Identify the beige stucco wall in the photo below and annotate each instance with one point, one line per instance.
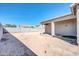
(48, 28)
(66, 27)
(1, 31)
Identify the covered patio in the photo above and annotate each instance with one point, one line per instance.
(61, 26)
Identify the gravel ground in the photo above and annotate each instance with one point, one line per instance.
(11, 46)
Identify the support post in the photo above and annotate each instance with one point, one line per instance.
(77, 24)
(52, 28)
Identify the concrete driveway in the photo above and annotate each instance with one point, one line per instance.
(46, 45)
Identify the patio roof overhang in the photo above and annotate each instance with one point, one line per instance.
(65, 17)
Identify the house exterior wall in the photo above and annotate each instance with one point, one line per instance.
(1, 31)
(66, 27)
(48, 28)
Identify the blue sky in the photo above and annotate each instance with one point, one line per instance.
(31, 13)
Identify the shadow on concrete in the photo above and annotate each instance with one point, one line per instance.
(70, 39)
(13, 46)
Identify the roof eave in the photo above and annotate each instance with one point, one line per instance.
(51, 20)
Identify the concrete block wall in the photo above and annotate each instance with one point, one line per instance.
(1, 31)
(20, 29)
